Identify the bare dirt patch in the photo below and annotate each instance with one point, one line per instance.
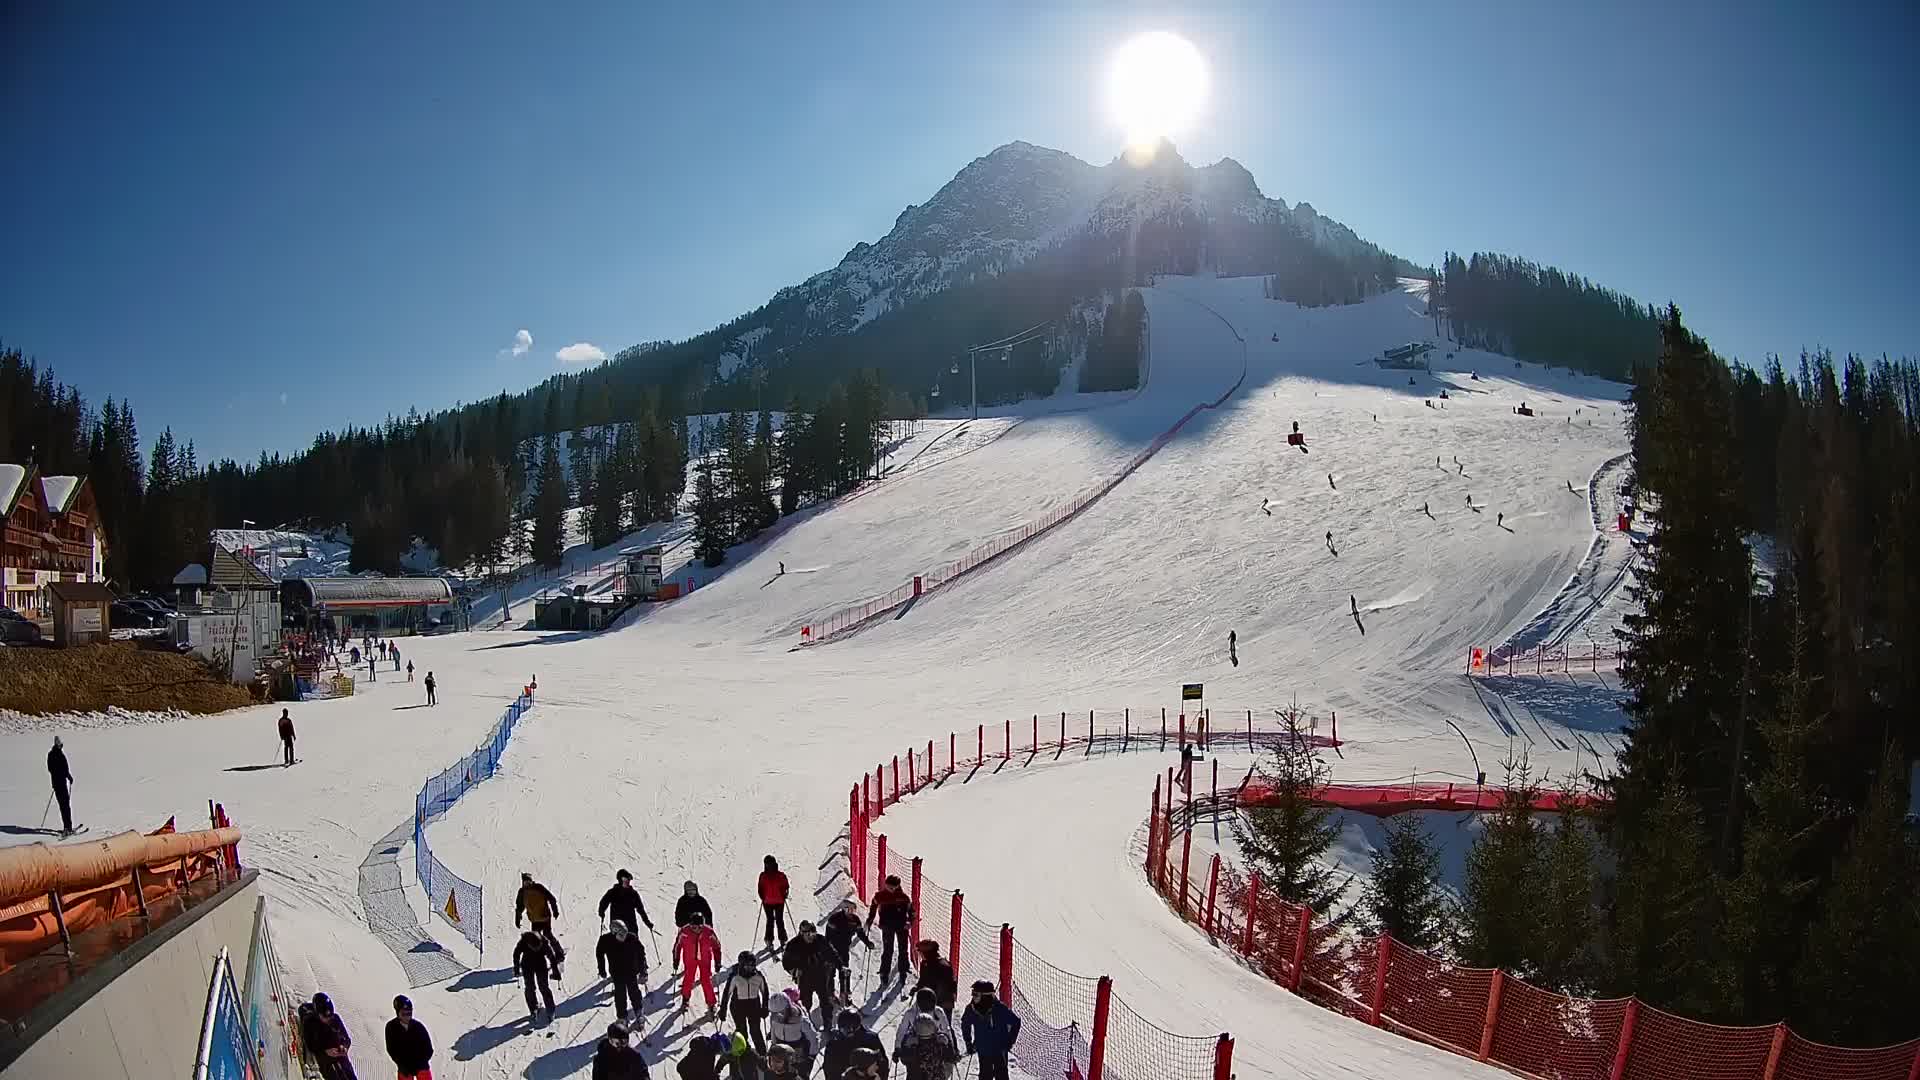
(122, 674)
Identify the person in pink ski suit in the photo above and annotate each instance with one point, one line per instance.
(697, 951)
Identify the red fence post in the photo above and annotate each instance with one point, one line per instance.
(1006, 744)
(950, 758)
(1914, 1073)
(1626, 1040)
(1380, 964)
(1213, 890)
(1253, 911)
(953, 946)
(1163, 727)
(1773, 1052)
(1223, 1058)
(1186, 857)
(1336, 728)
(980, 752)
(879, 790)
(1036, 730)
(855, 849)
(916, 902)
(1006, 962)
(1493, 1013)
(912, 783)
(883, 857)
(1249, 731)
(1300, 948)
(1097, 1047)
(929, 760)
(1183, 731)
(1153, 832)
(1216, 778)
(896, 778)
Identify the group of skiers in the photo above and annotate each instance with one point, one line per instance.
(775, 1033)
(325, 1042)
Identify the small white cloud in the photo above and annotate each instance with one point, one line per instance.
(283, 397)
(581, 352)
(522, 341)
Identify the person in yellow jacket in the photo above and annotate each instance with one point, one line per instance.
(536, 903)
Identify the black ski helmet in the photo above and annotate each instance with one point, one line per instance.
(848, 1020)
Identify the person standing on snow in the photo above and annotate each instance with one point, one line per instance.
(851, 1045)
(938, 976)
(923, 1002)
(409, 671)
(691, 901)
(696, 951)
(811, 961)
(623, 901)
(744, 998)
(701, 1061)
(62, 778)
(990, 1029)
(623, 961)
(286, 738)
(928, 1049)
(408, 1043)
(789, 1025)
(328, 1041)
(615, 1059)
(842, 927)
(773, 900)
(893, 909)
(372, 674)
(533, 962)
(430, 700)
(538, 905)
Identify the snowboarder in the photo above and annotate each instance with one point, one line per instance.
(408, 1042)
(893, 909)
(1500, 519)
(744, 997)
(928, 1051)
(783, 567)
(852, 1038)
(696, 951)
(409, 671)
(1330, 482)
(539, 906)
(286, 738)
(1424, 509)
(623, 961)
(773, 889)
(789, 1025)
(991, 1029)
(1355, 604)
(624, 902)
(937, 975)
(534, 962)
(1266, 505)
(1330, 547)
(62, 778)
(430, 700)
(842, 927)
(328, 1040)
(811, 960)
(1233, 647)
(615, 1059)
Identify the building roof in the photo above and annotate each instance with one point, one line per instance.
(191, 574)
(377, 591)
(12, 479)
(229, 571)
(81, 592)
(58, 492)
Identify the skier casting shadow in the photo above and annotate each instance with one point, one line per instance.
(1233, 647)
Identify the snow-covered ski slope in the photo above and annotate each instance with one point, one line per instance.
(695, 739)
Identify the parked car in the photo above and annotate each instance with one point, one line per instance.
(129, 615)
(16, 628)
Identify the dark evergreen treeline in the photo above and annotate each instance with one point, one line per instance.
(1114, 355)
(1544, 315)
(1312, 276)
(1756, 862)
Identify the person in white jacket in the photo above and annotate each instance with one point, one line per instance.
(789, 1023)
(746, 992)
(923, 1002)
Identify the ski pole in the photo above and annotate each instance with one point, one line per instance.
(48, 810)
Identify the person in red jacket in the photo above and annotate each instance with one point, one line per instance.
(697, 950)
(773, 900)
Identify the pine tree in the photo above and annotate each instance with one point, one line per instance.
(1286, 835)
(550, 508)
(709, 517)
(1861, 974)
(1663, 911)
(1566, 952)
(1403, 897)
(1500, 901)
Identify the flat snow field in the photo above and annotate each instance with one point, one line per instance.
(694, 738)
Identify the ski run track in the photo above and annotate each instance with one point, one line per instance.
(694, 739)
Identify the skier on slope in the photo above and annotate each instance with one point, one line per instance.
(1233, 647)
(616, 1059)
(852, 1045)
(991, 1029)
(623, 961)
(773, 888)
(789, 1025)
(536, 902)
(533, 962)
(893, 909)
(1266, 505)
(929, 1051)
(62, 777)
(690, 902)
(811, 960)
(624, 903)
(328, 1041)
(696, 951)
(923, 1002)
(937, 975)
(286, 737)
(842, 927)
(744, 997)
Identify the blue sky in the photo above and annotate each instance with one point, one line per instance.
(259, 221)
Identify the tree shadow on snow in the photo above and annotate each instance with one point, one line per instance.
(479, 980)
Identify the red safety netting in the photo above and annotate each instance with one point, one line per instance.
(1669, 1047)
(1556, 1036)
(1139, 1049)
(1803, 1059)
(1441, 1001)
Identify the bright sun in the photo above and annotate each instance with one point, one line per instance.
(1156, 87)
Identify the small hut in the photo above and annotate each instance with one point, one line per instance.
(81, 612)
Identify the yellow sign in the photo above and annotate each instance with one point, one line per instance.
(452, 909)
(1190, 692)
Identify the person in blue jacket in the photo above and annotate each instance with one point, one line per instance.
(990, 1029)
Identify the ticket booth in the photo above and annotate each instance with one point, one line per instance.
(640, 578)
